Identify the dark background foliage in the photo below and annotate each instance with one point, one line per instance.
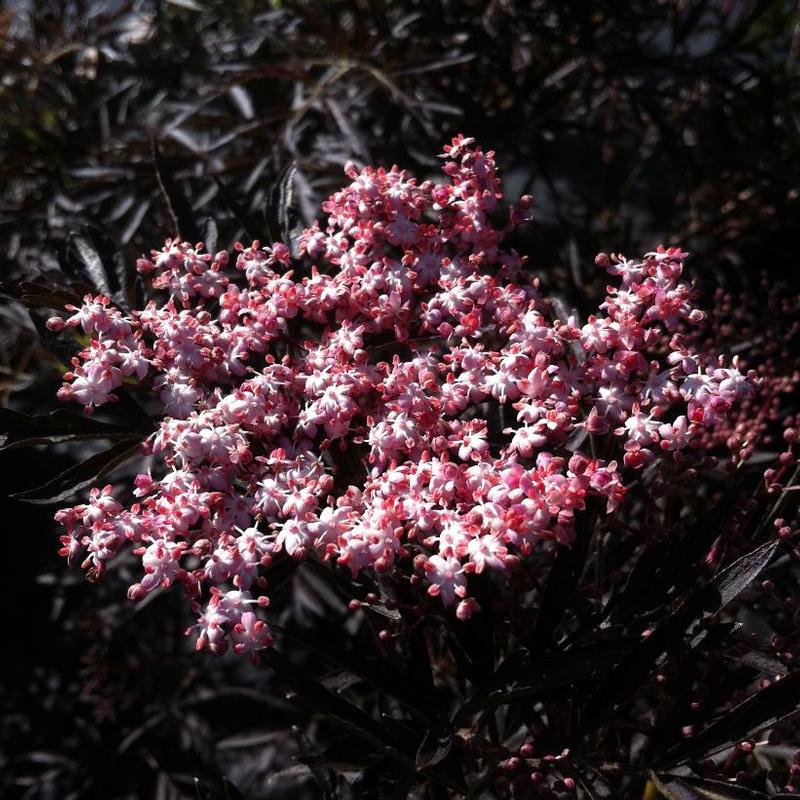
(631, 123)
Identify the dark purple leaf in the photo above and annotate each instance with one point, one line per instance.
(433, 749)
(23, 430)
(92, 258)
(673, 788)
(709, 789)
(279, 213)
(562, 583)
(625, 679)
(81, 476)
(594, 785)
(779, 702)
(178, 206)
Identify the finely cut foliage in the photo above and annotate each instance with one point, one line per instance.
(480, 525)
(393, 393)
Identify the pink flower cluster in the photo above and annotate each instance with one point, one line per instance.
(405, 399)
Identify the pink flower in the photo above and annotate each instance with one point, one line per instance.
(676, 435)
(250, 635)
(447, 580)
(413, 404)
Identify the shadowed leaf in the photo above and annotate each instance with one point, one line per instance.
(82, 475)
(562, 583)
(178, 206)
(279, 209)
(767, 708)
(433, 749)
(625, 679)
(94, 259)
(23, 430)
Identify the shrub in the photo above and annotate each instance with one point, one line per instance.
(543, 528)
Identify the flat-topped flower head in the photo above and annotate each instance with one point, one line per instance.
(401, 398)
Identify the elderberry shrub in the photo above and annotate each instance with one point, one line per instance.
(395, 394)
